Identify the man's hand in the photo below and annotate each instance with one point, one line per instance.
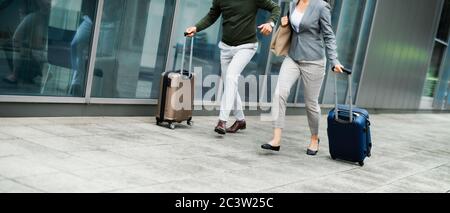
(338, 68)
(191, 31)
(266, 29)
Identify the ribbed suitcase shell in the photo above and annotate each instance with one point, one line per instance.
(349, 141)
(172, 82)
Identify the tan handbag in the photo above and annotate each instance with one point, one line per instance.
(281, 41)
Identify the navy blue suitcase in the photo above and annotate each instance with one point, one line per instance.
(349, 133)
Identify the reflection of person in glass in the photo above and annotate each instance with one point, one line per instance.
(238, 46)
(81, 42)
(79, 50)
(310, 22)
(29, 44)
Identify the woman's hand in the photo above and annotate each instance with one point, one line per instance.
(191, 31)
(338, 68)
(284, 21)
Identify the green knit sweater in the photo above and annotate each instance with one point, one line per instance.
(239, 19)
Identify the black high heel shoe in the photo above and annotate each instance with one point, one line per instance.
(270, 147)
(311, 152)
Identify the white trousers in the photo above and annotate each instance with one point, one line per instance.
(233, 60)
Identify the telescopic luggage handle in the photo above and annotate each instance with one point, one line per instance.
(184, 55)
(348, 72)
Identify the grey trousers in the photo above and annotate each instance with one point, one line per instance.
(311, 74)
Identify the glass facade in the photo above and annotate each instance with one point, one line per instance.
(132, 51)
(438, 76)
(46, 47)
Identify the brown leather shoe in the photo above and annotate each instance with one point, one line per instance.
(221, 128)
(238, 125)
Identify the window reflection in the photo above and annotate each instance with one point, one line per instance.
(43, 49)
(352, 21)
(132, 48)
(207, 52)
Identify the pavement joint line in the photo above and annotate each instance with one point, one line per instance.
(343, 171)
(15, 179)
(390, 183)
(314, 176)
(32, 175)
(143, 186)
(43, 146)
(8, 156)
(130, 165)
(105, 167)
(24, 184)
(92, 180)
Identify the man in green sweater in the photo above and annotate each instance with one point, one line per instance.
(238, 46)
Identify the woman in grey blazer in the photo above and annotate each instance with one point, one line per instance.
(312, 39)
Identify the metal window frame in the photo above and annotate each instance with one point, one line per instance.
(124, 101)
(93, 52)
(172, 50)
(369, 43)
(358, 50)
(41, 99)
(324, 90)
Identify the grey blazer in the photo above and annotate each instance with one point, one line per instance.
(316, 36)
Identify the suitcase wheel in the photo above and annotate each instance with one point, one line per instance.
(361, 163)
(190, 122)
(171, 126)
(158, 122)
(332, 157)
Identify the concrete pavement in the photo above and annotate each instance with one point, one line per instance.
(131, 154)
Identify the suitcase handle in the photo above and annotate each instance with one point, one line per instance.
(350, 96)
(346, 71)
(184, 55)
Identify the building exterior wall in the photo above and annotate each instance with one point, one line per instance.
(388, 44)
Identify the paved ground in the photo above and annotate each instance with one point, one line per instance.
(411, 154)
